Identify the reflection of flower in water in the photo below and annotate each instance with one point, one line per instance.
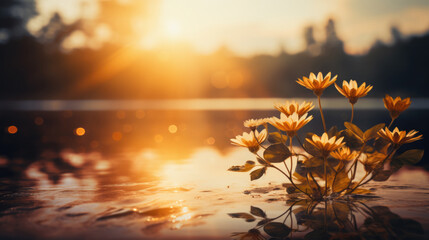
(330, 220)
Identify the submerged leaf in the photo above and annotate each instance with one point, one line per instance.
(246, 216)
(244, 168)
(277, 153)
(276, 229)
(258, 173)
(382, 175)
(276, 137)
(257, 212)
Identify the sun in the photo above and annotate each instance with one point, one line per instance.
(172, 29)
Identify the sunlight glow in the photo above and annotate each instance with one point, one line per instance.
(172, 29)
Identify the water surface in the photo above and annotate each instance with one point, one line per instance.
(133, 176)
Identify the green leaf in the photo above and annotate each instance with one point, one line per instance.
(312, 150)
(245, 216)
(381, 145)
(276, 229)
(258, 173)
(352, 141)
(313, 162)
(244, 168)
(372, 132)
(354, 129)
(411, 156)
(277, 153)
(276, 137)
(257, 212)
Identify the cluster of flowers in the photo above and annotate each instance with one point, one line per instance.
(332, 157)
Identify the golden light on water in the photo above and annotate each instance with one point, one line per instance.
(12, 129)
(80, 131)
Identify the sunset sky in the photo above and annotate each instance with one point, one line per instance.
(256, 26)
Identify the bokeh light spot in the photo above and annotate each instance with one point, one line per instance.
(116, 136)
(120, 114)
(39, 121)
(12, 129)
(210, 140)
(172, 128)
(80, 131)
(140, 114)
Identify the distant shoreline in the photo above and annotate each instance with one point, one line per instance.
(197, 104)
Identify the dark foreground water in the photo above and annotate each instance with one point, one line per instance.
(149, 174)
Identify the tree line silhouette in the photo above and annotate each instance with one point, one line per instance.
(36, 66)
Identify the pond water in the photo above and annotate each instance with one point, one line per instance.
(156, 174)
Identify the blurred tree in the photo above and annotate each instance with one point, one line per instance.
(397, 36)
(332, 42)
(311, 46)
(14, 15)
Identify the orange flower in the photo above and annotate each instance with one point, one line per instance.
(290, 124)
(248, 140)
(344, 154)
(351, 90)
(325, 144)
(399, 137)
(291, 107)
(317, 84)
(396, 106)
(254, 123)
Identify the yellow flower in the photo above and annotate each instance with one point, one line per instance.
(290, 124)
(325, 144)
(351, 90)
(344, 154)
(290, 107)
(396, 106)
(254, 123)
(248, 140)
(399, 137)
(317, 84)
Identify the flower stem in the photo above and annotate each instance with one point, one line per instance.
(288, 177)
(358, 184)
(326, 176)
(254, 135)
(391, 122)
(353, 111)
(321, 113)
